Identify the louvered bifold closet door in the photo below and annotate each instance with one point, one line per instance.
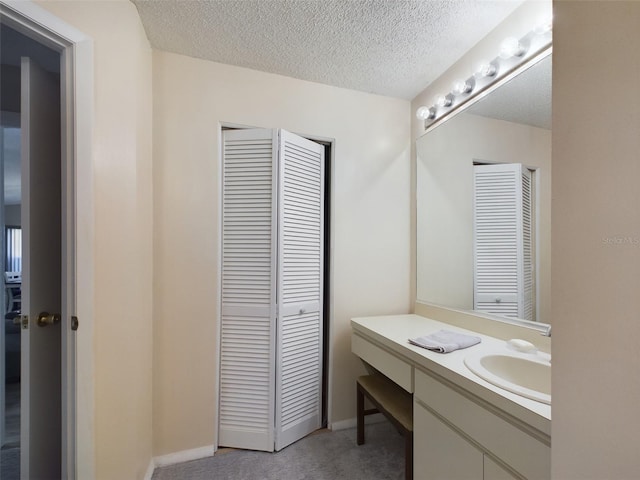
(498, 239)
(528, 247)
(299, 352)
(247, 353)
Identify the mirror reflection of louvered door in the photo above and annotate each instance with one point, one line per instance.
(271, 325)
(503, 240)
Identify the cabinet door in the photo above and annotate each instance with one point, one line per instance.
(439, 453)
(493, 471)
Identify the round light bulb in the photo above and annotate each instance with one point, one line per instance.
(544, 26)
(487, 70)
(424, 113)
(511, 47)
(461, 86)
(443, 101)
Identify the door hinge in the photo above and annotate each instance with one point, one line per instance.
(74, 323)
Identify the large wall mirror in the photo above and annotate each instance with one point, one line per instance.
(484, 203)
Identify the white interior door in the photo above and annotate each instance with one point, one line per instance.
(41, 273)
(300, 277)
(528, 311)
(247, 336)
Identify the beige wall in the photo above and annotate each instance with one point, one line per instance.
(370, 223)
(123, 238)
(596, 240)
(444, 196)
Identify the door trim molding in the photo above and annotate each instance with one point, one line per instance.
(76, 75)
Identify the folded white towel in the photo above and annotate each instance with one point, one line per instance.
(445, 341)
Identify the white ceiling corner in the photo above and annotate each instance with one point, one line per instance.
(387, 47)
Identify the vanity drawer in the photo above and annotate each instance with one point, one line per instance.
(527, 453)
(388, 364)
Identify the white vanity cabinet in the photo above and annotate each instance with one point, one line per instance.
(493, 471)
(442, 453)
(439, 452)
(459, 436)
(464, 428)
(384, 361)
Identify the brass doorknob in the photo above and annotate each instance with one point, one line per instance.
(45, 319)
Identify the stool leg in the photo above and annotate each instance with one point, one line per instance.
(359, 415)
(408, 455)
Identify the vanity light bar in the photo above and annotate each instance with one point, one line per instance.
(514, 54)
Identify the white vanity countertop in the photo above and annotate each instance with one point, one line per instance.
(394, 331)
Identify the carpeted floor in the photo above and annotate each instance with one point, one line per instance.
(10, 454)
(10, 464)
(324, 455)
(12, 415)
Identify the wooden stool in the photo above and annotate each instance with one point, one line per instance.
(393, 402)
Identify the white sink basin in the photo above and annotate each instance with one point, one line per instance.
(525, 375)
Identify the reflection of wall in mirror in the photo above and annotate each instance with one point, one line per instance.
(444, 193)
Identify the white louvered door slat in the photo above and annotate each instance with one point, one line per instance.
(528, 246)
(300, 277)
(498, 239)
(247, 353)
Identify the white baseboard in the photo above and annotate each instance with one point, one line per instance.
(208, 451)
(352, 422)
(184, 456)
(150, 469)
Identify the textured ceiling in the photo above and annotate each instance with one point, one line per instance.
(387, 47)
